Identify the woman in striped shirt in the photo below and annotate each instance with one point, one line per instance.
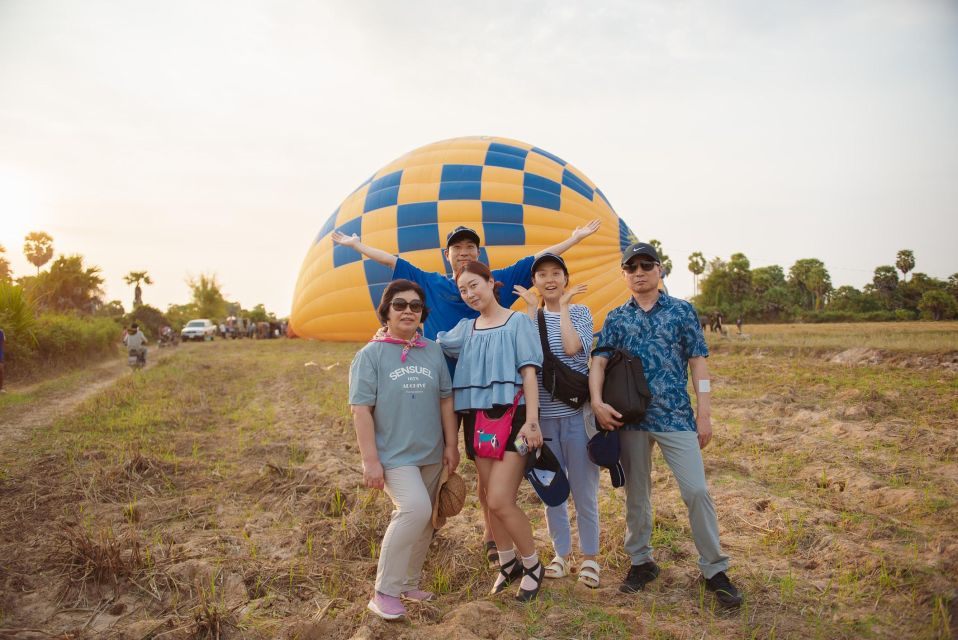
(569, 328)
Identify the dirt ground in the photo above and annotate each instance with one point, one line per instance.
(218, 494)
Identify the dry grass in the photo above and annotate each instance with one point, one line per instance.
(218, 496)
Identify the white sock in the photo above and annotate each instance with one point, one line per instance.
(528, 583)
(505, 557)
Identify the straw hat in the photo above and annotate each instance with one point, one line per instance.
(449, 499)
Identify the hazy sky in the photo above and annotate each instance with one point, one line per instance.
(183, 137)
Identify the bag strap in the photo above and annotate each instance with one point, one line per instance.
(543, 332)
(515, 401)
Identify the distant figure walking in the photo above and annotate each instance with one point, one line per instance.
(738, 324)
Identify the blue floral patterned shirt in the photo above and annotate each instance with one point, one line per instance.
(665, 337)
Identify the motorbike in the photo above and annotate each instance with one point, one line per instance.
(136, 358)
(170, 339)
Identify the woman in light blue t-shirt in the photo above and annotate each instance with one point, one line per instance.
(499, 353)
(401, 398)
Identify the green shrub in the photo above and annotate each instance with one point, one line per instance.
(58, 341)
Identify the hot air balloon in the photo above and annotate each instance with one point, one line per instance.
(519, 197)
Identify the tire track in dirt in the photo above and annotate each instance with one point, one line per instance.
(18, 421)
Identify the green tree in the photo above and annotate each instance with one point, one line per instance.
(207, 296)
(149, 318)
(937, 305)
(67, 285)
(765, 278)
(663, 259)
(137, 277)
(17, 315)
(952, 285)
(810, 283)
(697, 267)
(38, 248)
(6, 276)
(112, 309)
(905, 262)
(739, 277)
(885, 281)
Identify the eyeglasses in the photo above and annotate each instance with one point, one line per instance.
(398, 304)
(647, 265)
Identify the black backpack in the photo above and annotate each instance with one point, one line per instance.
(625, 387)
(562, 381)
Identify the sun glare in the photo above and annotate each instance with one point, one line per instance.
(20, 210)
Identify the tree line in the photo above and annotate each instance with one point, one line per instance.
(59, 314)
(805, 293)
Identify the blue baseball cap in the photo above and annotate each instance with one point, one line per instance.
(604, 450)
(462, 233)
(546, 476)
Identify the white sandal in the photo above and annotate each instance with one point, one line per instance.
(589, 573)
(557, 568)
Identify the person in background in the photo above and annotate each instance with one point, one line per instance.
(135, 342)
(664, 333)
(400, 393)
(569, 336)
(498, 354)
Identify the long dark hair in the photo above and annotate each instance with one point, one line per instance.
(390, 292)
(483, 272)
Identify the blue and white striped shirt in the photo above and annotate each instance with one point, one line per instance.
(582, 323)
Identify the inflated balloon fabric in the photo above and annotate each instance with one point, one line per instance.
(520, 199)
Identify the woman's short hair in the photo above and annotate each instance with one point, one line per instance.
(390, 292)
(481, 270)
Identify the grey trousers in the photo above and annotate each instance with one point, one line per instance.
(407, 538)
(682, 453)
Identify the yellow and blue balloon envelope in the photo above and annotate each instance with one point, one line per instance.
(520, 198)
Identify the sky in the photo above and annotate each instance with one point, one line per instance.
(188, 137)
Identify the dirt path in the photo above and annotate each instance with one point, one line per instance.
(45, 401)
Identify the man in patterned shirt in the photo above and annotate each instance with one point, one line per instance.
(665, 333)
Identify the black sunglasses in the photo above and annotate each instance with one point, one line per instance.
(398, 304)
(647, 265)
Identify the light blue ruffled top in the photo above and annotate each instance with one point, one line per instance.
(487, 373)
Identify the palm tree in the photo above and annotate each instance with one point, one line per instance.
(697, 267)
(905, 262)
(5, 274)
(38, 248)
(137, 277)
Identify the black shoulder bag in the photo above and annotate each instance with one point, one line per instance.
(625, 387)
(564, 383)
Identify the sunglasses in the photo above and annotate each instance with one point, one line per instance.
(398, 304)
(647, 265)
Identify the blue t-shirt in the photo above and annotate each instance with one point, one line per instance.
(446, 307)
(664, 338)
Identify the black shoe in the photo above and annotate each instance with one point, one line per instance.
(492, 554)
(511, 571)
(725, 592)
(537, 573)
(639, 575)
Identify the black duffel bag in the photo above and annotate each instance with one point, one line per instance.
(625, 387)
(566, 385)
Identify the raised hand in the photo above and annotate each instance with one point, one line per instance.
(584, 232)
(571, 292)
(526, 294)
(343, 239)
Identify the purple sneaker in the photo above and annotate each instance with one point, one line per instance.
(386, 607)
(418, 595)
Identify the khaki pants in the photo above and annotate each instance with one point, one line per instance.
(412, 490)
(682, 453)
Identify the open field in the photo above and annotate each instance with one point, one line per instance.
(217, 494)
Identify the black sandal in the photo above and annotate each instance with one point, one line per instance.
(526, 595)
(492, 553)
(511, 571)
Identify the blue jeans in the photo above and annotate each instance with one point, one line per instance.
(568, 443)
